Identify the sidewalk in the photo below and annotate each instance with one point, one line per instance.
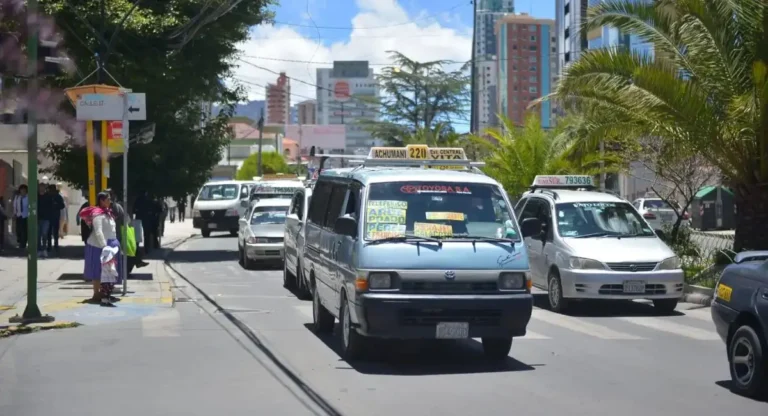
(61, 288)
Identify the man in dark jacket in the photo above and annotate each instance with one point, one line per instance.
(56, 203)
(44, 213)
(119, 212)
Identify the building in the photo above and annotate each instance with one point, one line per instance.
(278, 97)
(569, 15)
(527, 65)
(307, 112)
(347, 94)
(486, 46)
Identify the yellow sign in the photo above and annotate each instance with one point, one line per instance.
(379, 231)
(74, 93)
(115, 136)
(724, 292)
(445, 216)
(388, 204)
(417, 151)
(423, 229)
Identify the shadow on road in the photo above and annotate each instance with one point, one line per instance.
(728, 384)
(419, 358)
(603, 308)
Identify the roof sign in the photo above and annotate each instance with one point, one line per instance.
(272, 189)
(420, 152)
(563, 181)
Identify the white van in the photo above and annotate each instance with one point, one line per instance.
(220, 205)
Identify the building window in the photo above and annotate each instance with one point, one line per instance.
(531, 59)
(533, 38)
(514, 67)
(567, 8)
(532, 78)
(532, 90)
(532, 27)
(532, 47)
(514, 88)
(567, 32)
(533, 68)
(567, 57)
(514, 47)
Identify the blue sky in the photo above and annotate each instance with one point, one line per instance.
(342, 12)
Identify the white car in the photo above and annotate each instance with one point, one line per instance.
(260, 236)
(658, 213)
(293, 275)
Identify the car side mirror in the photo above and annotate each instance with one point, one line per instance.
(346, 225)
(531, 227)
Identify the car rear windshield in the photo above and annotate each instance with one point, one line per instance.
(437, 209)
(269, 215)
(218, 192)
(655, 204)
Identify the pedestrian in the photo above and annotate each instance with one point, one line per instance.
(56, 203)
(3, 224)
(171, 203)
(85, 230)
(161, 207)
(143, 208)
(103, 235)
(21, 215)
(64, 219)
(44, 213)
(182, 206)
(120, 216)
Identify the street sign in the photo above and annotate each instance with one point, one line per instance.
(92, 107)
(115, 137)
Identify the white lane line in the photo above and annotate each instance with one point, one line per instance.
(306, 312)
(668, 326)
(161, 324)
(579, 325)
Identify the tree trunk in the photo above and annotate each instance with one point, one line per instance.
(751, 217)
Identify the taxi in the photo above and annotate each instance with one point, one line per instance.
(416, 243)
(740, 314)
(591, 244)
(275, 186)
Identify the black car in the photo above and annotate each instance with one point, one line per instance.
(740, 314)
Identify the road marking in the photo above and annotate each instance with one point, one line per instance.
(578, 325)
(161, 324)
(671, 327)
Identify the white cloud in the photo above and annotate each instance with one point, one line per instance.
(422, 39)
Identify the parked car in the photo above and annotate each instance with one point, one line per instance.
(293, 275)
(740, 314)
(658, 213)
(260, 236)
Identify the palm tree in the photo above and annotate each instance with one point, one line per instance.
(517, 154)
(705, 87)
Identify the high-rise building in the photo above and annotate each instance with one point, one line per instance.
(569, 15)
(527, 65)
(307, 112)
(346, 94)
(278, 97)
(486, 45)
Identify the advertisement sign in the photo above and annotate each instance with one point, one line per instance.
(341, 91)
(115, 137)
(323, 137)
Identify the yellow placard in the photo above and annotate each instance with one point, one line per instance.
(724, 292)
(447, 153)
(424, 229)
(445, 216)
(417, 151)
(388, 204)
(378, 231)
(386, 216)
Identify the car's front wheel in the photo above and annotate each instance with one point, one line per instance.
(353, 344)
(206, 233)
(497, 348)
(746, 362)
(665, 306)
(557, 303)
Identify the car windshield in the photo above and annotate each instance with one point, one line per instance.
(218, 192)
(655, 204)
(438, 209)
(587, 219)
(269, 215)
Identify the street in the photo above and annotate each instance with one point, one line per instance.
(602, 360)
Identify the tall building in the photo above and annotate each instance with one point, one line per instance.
(486, 45)
(527, 65)
(307, 112)
(278, 97)
(569, 15)
(346, 94)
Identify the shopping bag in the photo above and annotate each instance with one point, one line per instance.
(129, 241)
(109, 272)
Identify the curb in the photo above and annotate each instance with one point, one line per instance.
(699, 295)
(166, 293)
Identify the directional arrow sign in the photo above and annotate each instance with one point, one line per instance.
(110, 107)
(137, 106)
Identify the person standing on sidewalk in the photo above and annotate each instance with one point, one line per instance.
(101, 220)
(171, 202)
(64, 219)
(119, 213)
(182, 205)
(44, 213)
(56, 203)
(21, 214)
(3, 224)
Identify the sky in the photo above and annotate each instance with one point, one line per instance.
(358, 30)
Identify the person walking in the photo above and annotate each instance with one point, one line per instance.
(21, 215)
(85, 230)
(3, 224)
(182, 206)
(56, 205)
(171, 203)
(103, 235)
(64, 219)
(44, 213)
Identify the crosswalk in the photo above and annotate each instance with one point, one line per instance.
(695, 324)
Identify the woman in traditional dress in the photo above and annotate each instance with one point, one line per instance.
(101, 222)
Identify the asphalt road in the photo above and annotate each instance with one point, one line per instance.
(604, 359)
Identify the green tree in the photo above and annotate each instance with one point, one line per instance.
(517, 154)
(174, 50)
(271, 162)
(705, 87)
(418, 95)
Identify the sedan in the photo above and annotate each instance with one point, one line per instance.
(261, 234)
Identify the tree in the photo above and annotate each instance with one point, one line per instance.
(418, 95)
(271, 162)
(705, 87)
(518, 154)
(174, 50)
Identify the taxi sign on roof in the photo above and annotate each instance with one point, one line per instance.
(563, 181)
(420, 152)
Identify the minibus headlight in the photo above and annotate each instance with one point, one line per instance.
(512, 281)
(379, 281)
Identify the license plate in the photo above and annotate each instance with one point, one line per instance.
(452, 330)
(666, 217)
(211, 225)
(634, 287)
(724, 292)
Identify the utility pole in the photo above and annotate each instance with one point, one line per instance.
(32, 312)
(301, 137)
(259, 169)
(602, 164)
(472, 70)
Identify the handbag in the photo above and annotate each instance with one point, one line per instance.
(129, 240)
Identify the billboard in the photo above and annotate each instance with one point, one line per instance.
(341, 91)
(331, 136)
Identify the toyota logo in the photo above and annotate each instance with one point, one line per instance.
(450, 275)
(632, 268)
(210, 213)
